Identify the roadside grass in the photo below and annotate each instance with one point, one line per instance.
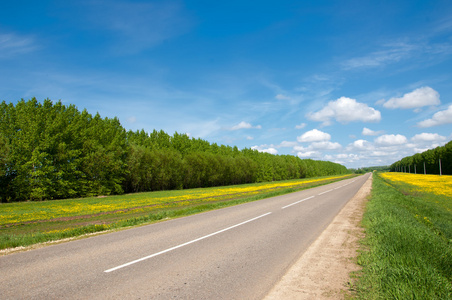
(407, 251)
(28, 223)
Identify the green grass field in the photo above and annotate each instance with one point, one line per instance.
(407, 251)
(27, 223)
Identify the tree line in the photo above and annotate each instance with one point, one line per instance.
(434, 161)
(54, 151)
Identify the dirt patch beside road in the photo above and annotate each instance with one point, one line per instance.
(323, 272)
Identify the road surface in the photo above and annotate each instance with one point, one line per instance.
(237, 252)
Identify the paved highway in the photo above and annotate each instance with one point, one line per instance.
(237, 252)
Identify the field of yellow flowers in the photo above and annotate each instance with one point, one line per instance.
(27, 212)
(408, 226)
(63, 218)
(439, 185)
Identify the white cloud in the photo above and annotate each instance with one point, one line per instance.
(383, 150)
(360, 145)
(309, 154)
(244, 125)
(381, 153)
(428, 137)
(325, 145)
(249, 138)
(300, 149)
(425, 141)
(270, 150)
(439, 118)
(344, 158)
(391, 140)
(319, 141)
(424, 96)
(367, 131)
(345, 110)
(314, 136)
(301, 126)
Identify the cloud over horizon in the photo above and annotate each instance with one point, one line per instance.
(345, 110)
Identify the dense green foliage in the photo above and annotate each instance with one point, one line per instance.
(430, 159)
(54, 151)
(408, 253)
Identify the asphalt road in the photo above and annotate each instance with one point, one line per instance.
(237, 252)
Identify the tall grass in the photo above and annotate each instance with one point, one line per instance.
(407, 251)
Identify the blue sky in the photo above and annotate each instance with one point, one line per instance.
(361, 83)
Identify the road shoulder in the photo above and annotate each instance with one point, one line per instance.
(323, 271)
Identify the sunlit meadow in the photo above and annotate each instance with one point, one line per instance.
(407, 251)
(63, 218)
(436, 184)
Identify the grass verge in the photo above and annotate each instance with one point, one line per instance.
(28, 223)
(407, 251)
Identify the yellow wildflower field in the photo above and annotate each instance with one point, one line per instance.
(24, 212)
(439, 185)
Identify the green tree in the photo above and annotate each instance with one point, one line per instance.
(104, 152)
(140, 174)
